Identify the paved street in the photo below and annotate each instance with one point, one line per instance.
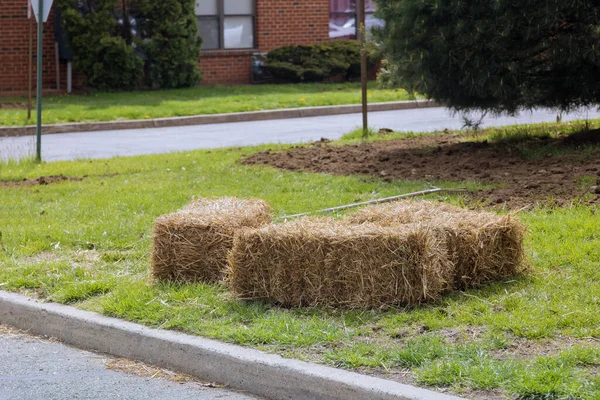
(32, 368)
(163, 140)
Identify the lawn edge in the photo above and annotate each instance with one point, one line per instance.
(215, 118)
(253, 371)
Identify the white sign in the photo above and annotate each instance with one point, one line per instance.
(35, 4)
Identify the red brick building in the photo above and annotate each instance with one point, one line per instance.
(232, 30)
(14, 54)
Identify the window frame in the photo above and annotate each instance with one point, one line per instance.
(350, 14)
(220, 17)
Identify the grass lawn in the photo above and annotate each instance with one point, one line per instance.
(102, 106)
(87, 243)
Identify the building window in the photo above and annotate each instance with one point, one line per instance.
(226, 24)
(343, 17)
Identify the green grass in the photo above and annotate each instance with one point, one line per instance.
(99, 106)
(87, 243)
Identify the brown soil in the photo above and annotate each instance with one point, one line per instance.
(520, 181)
(14, 105)
(42, 180)
(47, 180)
(520, 348)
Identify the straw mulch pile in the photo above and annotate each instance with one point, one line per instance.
(192, 244)
(483, 246)
(323, 262)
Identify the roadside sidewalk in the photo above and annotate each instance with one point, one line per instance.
(255, 372)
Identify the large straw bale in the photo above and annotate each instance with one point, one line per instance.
(192, 244)
(403, 212)
(483, 246)
(323, 262)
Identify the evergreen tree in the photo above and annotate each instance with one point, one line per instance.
(104, 57)
(494, 55)
(169, 38)
(111, 40)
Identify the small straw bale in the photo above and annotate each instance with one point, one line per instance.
(323, 262)
(191, 245)
(483, 246)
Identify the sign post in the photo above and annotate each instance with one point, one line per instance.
(362, 30)
(41, 10)
(30, 62)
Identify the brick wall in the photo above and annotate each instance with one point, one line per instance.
(278, 23)
(14, 45)
(291, 22)
(225, 67)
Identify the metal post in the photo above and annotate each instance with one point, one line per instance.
(30, 55)
(39, 79)
(57, 62)
(363, 64)
(69, 78)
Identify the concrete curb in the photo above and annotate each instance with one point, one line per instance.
(215, 118)
(258, 373)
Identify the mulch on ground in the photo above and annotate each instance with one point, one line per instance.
(553, 178)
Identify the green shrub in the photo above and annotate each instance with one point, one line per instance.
(115, 65)
(110, 57)
(104, 57)
(387, 76)
(169, 37)
(314, 63)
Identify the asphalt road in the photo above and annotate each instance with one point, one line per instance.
(32, 368)
(107, 144)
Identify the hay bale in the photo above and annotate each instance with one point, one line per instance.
(403, 212)
(192, 244)
(324, 262)
(483, 246)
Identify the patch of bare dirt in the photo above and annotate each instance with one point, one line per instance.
(86, 259)
(521, 181)
(42, 180)
(50, 179)
(16, 105)
(521, 348)
(43, 257)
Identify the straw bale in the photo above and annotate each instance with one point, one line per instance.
(192, 244)
(483, 246)
(323, 262)
(403, 212)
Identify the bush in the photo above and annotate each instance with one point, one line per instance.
(104, 57)
(388, 76)
(115, 65)
(169, 38)
(110, 41)
(315, 63)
